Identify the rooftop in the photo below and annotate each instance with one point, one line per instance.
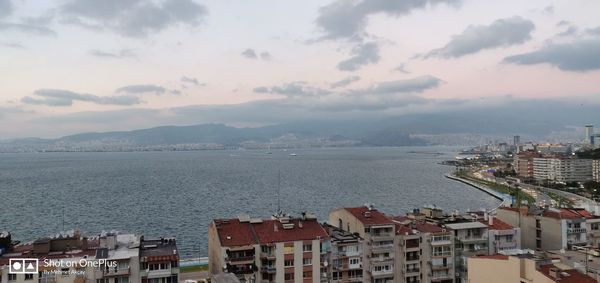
(566, 276)
(163, 247)
(497, 224)
(233, 232)
(338, 235)
(369, 216)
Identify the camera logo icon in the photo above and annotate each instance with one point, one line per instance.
(23, 266)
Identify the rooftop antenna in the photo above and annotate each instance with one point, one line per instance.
(278, 191)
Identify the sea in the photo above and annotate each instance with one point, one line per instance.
(160, 194)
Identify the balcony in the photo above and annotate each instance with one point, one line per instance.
(440, 276)
(355, 279)
(412, 271)
(240, 259)
(412, 258)
(471, 239)
(382, 273)
(576, 230)
(378, 237)
(441, 266)
(268, 269)
(442, 254)
(116, 271)
(441, 243)
(382, 248)
(159, 273)
(503, 244)
(267, 255)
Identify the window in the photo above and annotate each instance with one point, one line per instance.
(122, 279)
(354, 261)
(288, 250)
(595, 226)
(12, 277)
(288, 263)
(307, 261)
(307, 274)
(289, 276)
(28, 276)
(307, 248)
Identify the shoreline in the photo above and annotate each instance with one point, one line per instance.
(505, 200)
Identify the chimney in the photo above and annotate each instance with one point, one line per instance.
(491, 220)
(275, 228)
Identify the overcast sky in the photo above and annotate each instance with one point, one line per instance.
(86, 65)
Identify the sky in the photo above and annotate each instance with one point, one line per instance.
(84, 65)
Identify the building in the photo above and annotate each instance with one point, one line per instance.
(159, 261)
(548, 229)
(470, 239)
(596, 170)
(589, 132)
(501, 236)
(346, 255)
(516, 140)
(425, 252)
(281, 249)
(562, 169)
(552, 148)
(378, 232)
(523, 164)
(105, 258)
(522, 268)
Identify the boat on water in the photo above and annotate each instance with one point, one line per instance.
(293, 154)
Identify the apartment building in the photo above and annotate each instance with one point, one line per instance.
(425, 251)
(501, 235)
(159, 261)
(596, 169)
(522, 268)
(470, 239)
(281, 249)
(378, 232)
(72, 257)
(523, 164)
(346, 255)
(562, 169)
(548, 229)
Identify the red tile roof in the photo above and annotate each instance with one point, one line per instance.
(573, 275)
(232, 232)
(497, 224)
(374, 216)
(566, 213)
(428, 228)
(311, 230)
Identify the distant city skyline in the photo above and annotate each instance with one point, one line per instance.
(79, 66)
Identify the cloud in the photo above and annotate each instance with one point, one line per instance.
(27, 28)
(121, 54)
(14, 45)
(189, 80)
(266, 56)
(249, 53)
(142, 88)
(6, 8)
(414, 85)
(401, 69)
(363, 54)
(593, 31)
(293, 89)
(253, 54)
(344, 82)
(580, 55)
(133, 18)
(501, 33)
(348, 18)
(548, 10)
(59, 97)
(571, 30)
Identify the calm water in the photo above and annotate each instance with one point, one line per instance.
(179, 193)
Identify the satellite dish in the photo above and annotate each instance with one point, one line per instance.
(325, 263)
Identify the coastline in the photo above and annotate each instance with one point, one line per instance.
(506, 200)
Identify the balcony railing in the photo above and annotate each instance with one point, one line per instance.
(382, 248)
(576, 230)
(268, 269)
(240, 258)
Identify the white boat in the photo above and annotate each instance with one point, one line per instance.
(293, 154)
